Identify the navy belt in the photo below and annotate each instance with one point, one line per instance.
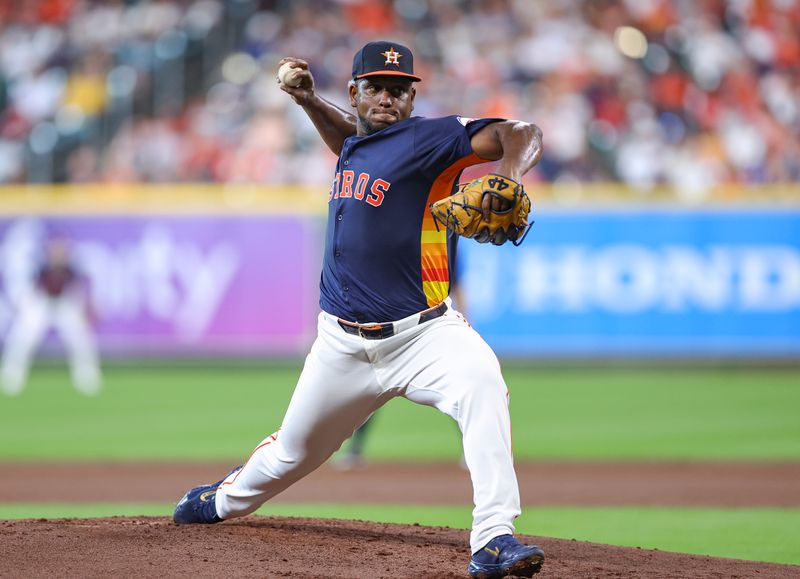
(387, 329)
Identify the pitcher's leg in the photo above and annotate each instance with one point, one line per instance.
(335, 394)
(461, 377)
(483, 417)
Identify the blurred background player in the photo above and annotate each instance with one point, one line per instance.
(57, 300)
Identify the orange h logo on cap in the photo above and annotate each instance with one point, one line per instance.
(392, 57)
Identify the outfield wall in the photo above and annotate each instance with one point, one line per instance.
(650, 282)
(198, 271)
(180, 284)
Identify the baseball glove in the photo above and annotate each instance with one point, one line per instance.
(462, 212)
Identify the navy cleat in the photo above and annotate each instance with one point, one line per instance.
(198, 505)
(503, 556)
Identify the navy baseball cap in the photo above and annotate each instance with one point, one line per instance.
(384, 58)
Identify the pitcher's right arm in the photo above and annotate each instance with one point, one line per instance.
(333, 124)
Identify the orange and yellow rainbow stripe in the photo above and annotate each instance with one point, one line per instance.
(435, 268)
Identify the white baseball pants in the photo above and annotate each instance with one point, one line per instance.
(442, 363)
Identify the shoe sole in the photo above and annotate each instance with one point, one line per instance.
(527, 568)
(522, 568)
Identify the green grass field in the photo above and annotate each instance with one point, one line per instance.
(220, 413)
(665, 413)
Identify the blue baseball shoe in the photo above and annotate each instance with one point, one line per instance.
(503, 556)
(198, 505)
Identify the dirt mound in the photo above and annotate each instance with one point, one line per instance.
(139, 547)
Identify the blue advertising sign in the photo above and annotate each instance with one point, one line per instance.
(633, 283)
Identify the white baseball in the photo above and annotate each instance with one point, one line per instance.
(289, 75)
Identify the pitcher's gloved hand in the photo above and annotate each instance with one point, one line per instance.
(491, 209)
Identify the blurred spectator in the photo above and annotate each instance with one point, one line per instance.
(85, 89)
(687, 94)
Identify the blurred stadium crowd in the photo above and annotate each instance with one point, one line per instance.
(687, 93)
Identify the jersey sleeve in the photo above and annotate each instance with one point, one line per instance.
(442, 142)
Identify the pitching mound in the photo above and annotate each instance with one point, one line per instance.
(287, 547)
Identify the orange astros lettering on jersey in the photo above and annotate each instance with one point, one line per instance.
(334, 188)
(343, 187)
(347, 184)
(361, 186)
(376, 192)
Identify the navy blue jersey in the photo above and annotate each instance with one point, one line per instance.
(384, 258)
(54, 280)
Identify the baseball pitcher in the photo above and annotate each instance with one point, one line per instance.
(387, 327)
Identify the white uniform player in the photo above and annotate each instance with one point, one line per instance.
(387, 327)
(55, 300)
